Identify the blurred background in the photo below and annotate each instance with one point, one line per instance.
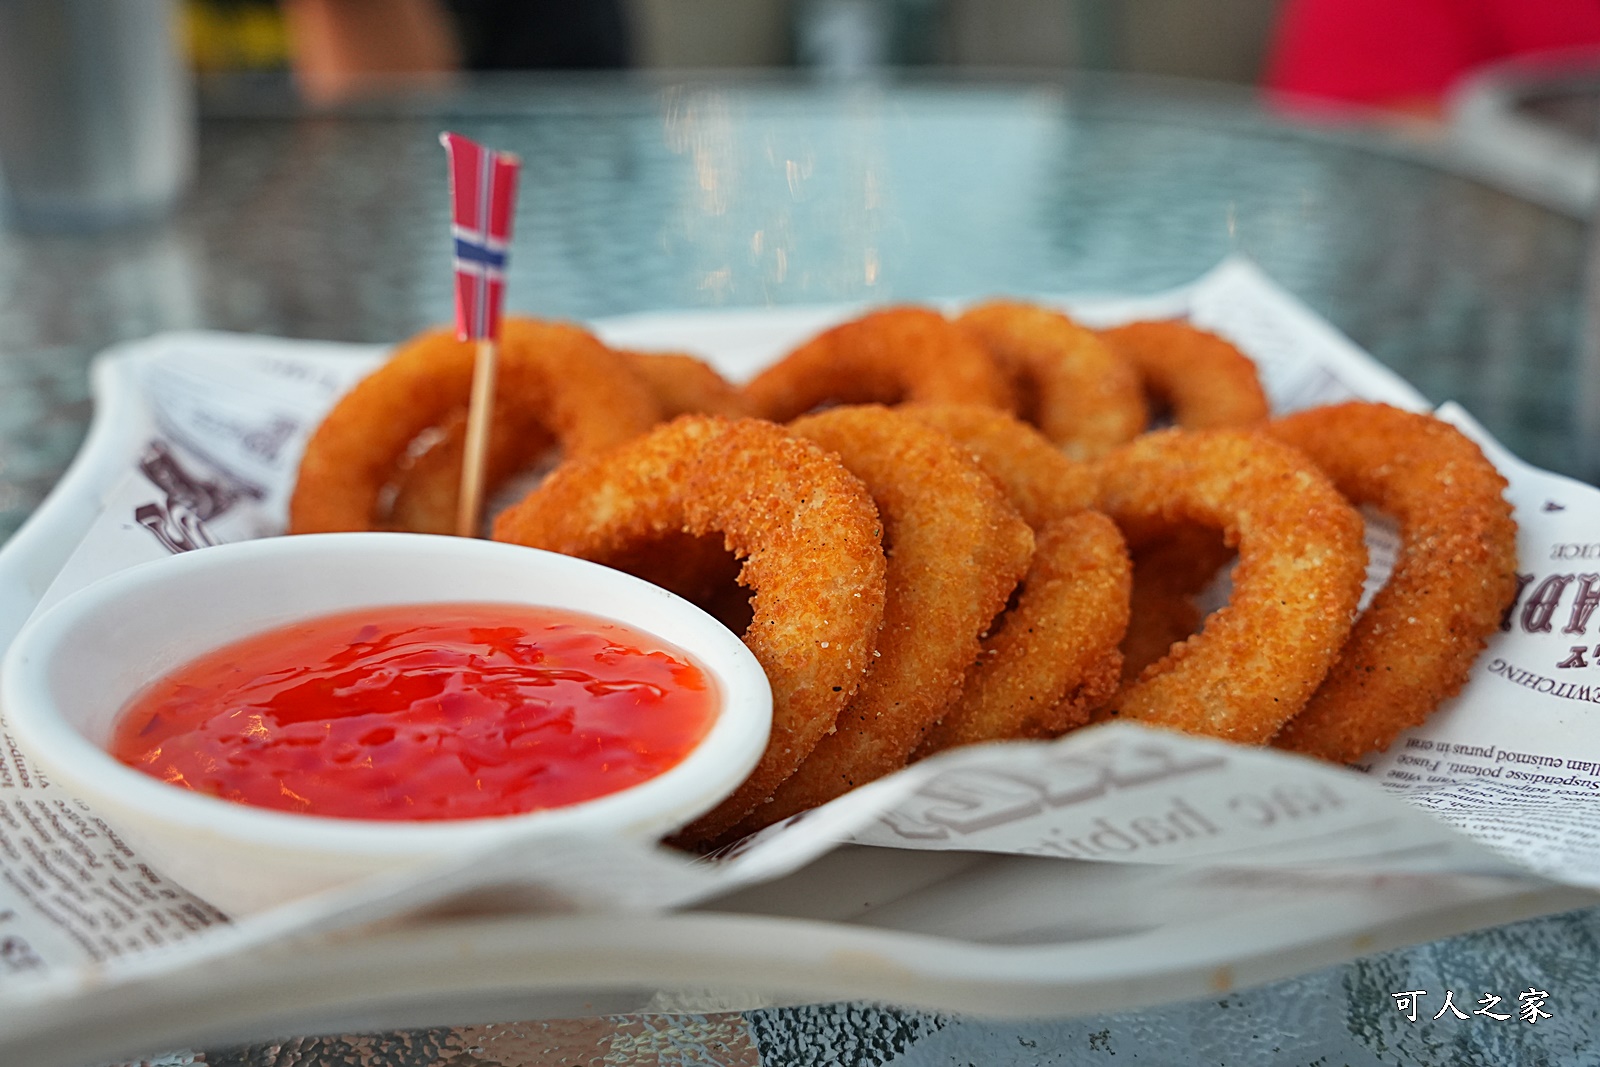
(1402, 56)
(1507, 83)
(1419, 172)
(1223, 39)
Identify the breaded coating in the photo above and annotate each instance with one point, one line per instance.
(1069, 383)
(956, 550)
(1296, 585)
(580, 391)
(884, 357)
(1041, 482)
(805, 529)
(1054, 657)
(1415, 643)
(1202, 380)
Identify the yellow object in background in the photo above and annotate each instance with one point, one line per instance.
(224, 35)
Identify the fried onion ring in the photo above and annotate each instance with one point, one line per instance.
(1054, 656)
(1169, 572)
(422, 494)
(805, 528)
(956, 549)
(686, 385)
(1416, 641)
(1201, 379)
(425, 489)
(887, 356)
(1069, 383)
(1041, 482)
(582, 391)
(1296, 585)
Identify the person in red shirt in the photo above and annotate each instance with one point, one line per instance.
(1406, 55)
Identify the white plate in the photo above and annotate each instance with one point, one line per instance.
(479, 970)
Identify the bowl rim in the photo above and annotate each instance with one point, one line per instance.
(710, 770)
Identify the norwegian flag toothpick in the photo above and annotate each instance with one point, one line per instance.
(483, 193)
(483, 196)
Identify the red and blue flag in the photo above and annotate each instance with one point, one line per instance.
(483, 196)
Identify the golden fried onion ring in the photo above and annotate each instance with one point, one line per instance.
(1416, 641)
(686, 385)
(581, 391)
(805, 528)
(1054, 657)
(1296, 585)
(887, 356)
(956, 549)
(1201, 379)
(1069, 383)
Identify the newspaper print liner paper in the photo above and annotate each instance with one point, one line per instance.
(210, 427)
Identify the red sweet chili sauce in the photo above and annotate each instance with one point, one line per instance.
(434, 711)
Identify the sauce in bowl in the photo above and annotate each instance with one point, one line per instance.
(422, 712)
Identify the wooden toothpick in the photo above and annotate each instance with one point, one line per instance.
(474, 458)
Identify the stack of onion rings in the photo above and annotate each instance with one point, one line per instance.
(878, 560)
(1053, 658)
(956, 549)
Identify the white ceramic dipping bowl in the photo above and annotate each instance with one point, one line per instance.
(73, 668)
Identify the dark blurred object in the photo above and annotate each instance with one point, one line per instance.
(1407, 55)
(541, 34)
(96, 113)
